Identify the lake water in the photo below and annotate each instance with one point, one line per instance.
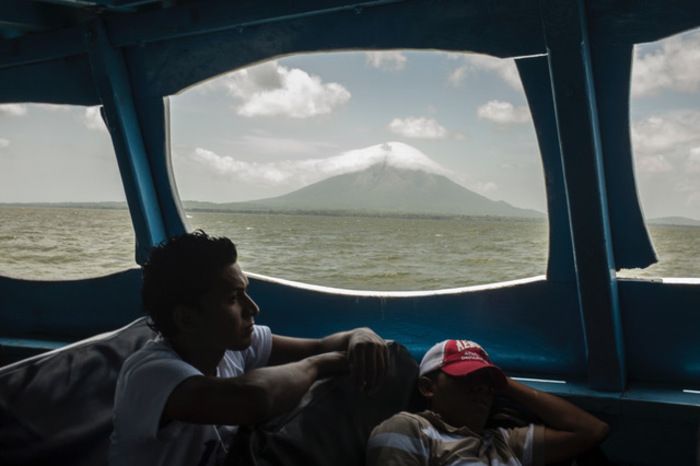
(356, 252)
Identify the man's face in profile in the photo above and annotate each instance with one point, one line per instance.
(226, 313)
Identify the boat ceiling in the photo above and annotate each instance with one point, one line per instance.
(173, 44)
(21, 17)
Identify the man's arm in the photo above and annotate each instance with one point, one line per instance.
(250, 398)
(569, 430)
(367, 352)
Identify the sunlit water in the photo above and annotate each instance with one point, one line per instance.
(356, 252)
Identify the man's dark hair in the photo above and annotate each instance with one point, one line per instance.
(180, 271)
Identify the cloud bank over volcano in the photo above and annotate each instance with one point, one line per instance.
(297, 173)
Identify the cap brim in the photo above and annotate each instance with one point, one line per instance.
(463, 368)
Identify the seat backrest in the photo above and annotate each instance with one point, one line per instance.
(331, 424)
(56, 408)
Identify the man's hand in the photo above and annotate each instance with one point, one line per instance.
(368, 357)
(367, 353)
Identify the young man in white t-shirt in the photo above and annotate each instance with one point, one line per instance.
(179, 399)
(459, 382)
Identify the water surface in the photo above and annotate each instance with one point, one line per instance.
(356, 252)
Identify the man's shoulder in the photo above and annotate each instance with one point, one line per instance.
(403, 422)
(154, 354)
(155, 348)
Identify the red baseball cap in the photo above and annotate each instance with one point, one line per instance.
(459, 358)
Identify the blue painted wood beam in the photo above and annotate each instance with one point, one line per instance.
(534, 74)
(154, 118)
(582, 159)
(612, 69)
(113, 83)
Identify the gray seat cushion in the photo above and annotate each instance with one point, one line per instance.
(56, 408)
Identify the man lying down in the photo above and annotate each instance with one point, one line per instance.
(179, 399)
(459, 382)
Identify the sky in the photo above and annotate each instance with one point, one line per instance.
(277, 126)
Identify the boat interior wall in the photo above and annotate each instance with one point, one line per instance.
(36, 315)
(625, 348)
(661, 340)
(497, 317)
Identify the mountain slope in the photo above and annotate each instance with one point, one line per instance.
(383, 188)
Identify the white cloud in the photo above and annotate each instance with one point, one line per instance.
(297, 173)
(53, 107)
(418, 127)
(672, 64)
(692, 164)
(503, 68)
(458, 75)
(503, 113)
(13, 109)
(263, 144)
(693, 199)
(654, 164)
(271, 89)
(485, 188)
(93, 119)
(670, 133)
(667, 159)
(689, 191)
(394, 61)
(4, 143)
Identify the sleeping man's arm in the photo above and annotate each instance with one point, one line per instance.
(250, 398)
(569, 430)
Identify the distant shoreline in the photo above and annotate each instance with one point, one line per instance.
(327, 213)
(360, 213)
(117, 205)
(69, 205)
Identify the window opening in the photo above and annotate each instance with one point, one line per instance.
(665, 129)
(63, 212)
(397, 170)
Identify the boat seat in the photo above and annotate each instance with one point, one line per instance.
(56, 407)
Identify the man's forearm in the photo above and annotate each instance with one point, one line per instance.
(278, 389)
(335, 342)
(556, 412)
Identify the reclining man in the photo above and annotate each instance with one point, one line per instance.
(459, 382)
(179, 399)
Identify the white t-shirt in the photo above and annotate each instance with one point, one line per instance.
(145, 382)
